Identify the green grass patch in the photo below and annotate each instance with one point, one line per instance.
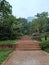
(43, 39)
(4, 54)
(8, 42)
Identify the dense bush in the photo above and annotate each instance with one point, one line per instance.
(45, 45)
(19, 34)
(47, 49)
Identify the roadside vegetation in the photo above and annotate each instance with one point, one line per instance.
(45, 45)
(43, 39)
(8, 41)
(4, 54)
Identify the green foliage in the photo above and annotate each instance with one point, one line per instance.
(24, 25)
(7, 28)
(45, 45)
(19, 34)
(41, 22)
(5, 8)
(43, 38)
(4, 54)
(8, 41)
(12, 27)
(47, 50)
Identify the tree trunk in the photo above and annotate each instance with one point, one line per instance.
(45, 37)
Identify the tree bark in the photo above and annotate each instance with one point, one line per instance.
(45, 37)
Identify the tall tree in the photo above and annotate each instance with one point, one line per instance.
(43, 22)
(5, 8)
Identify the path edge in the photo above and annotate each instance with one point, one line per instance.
(10, 55)
(46, 53)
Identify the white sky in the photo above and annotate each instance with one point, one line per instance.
(27, 8)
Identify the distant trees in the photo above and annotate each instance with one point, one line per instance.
(12, 27)
(40, 24)
(43, 21)
(24, 24)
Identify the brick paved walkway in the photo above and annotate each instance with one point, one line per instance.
(28, 58)
(26, 43)
(34, 57)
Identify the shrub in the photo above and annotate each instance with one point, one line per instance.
(45, 45)
(19, 34)
(47, 49)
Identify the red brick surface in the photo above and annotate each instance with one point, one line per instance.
(26, 38)
(26, 43)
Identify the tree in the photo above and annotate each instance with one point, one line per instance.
(24, 24)
(5, 8)
(43, 22)
(5, 12)
(35, 25)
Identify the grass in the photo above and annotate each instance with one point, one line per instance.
(8, 42)
(4, 54)
(43, 39)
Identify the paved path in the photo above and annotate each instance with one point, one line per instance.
(26, 43)
(28, 58)
(34, 57)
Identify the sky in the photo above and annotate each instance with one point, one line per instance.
(28, 8)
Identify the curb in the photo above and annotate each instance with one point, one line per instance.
(46, 53)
